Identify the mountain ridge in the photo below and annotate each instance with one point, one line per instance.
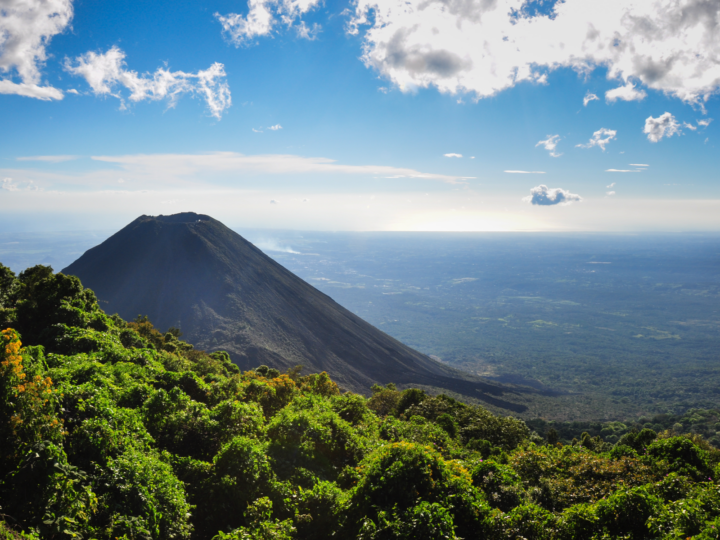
(190, 271)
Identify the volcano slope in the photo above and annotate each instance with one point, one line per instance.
(192, 272)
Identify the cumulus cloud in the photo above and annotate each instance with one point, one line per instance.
(625, 93)
(453, 155)
(600, 138)
(588, 98)
(544, 196)
(107, 75)
(486, 46)
(263, 16)
(26, 28)
(689, 126)
(704, 123)
(525, 172)
(664, 125)
(275, 127)
(550, 144)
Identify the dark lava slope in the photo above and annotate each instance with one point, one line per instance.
(190, 271)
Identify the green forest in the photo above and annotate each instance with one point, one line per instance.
(113, 429)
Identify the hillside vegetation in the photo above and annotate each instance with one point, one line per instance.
(111, 429)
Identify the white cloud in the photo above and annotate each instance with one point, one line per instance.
(610, 193)
(588, 98)
(175, 167)
(275, 127)
(625, 93)
(45, 93)
(257, 130)
(26, 28)
(704, 123)
(622, 170)
(9, 185)
(525, 172)
(689, 126)
(600, 138)
(544, 196)
(453, 155)
(664, 125)
(106, 74)
(639, 165)
(550, 144)
(263, 16)
(486, 46)
(48, 159)
(308, 32)
(611, 185)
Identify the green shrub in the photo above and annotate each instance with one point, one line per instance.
(682, 456)
(501, 485)
(398, 476)
(626, 512)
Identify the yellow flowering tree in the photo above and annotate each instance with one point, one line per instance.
(27, 399)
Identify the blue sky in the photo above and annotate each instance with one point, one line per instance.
(373, 115)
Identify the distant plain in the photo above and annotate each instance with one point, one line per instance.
(622, 325)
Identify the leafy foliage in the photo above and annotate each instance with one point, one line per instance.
(116, 430)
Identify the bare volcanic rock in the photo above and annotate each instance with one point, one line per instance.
(191, 272)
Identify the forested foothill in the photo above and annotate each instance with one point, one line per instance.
(113, 429)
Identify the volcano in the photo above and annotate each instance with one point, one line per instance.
(191, 272)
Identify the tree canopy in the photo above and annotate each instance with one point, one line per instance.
(113, 429)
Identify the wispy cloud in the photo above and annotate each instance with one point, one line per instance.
(550, 144)
(622, 170)
(276, 127)
(588, 98)
(107, 75)
(665, 125)
(600, 138)
(190, 165)
(48, 159)
(610, 193)
(611, 185)
(544, 196)
(639, 165)
(453, 155)
(704, 123)
(525, 172)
